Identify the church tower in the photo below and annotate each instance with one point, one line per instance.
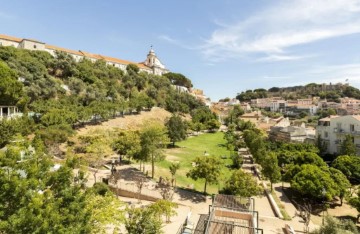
(154, 62)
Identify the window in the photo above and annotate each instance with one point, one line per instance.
(34, 46)
(352, 127)
(326, 134)
(338, 126)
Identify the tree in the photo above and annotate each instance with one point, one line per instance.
(127, 143)
(142, 220)
(355, 202)
(152, 139)
(164, 207)
(176, 128)
(342, 182)
(132, 68)
(213, 125)
(311, 181)
(36, 198)
(173, 168)
(349, 165)
(178, 79)
(348, 147)
(234, 114)
(10, 89)
(336, 226)
(271, 169)
(242, 184)
(208, 168)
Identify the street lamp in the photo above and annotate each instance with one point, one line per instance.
(282, 179)
(324, 196)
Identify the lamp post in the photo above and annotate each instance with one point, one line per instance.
(282, 180)
(324, 196)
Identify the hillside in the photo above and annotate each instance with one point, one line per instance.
(332, 92)
(128, 121)
(61, 94)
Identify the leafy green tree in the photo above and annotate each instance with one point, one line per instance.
(63, 65)
(349, 165)
(132, 68)
(36, 198)
(173, 168)
(336, 226)
(127, 143)
(355, 202)
(343, 184)
(178, 79)
(311, 181)
(142, 220)
(234, 114)
(347, 146)
(213, 125)
(164, 207)
(58, 117)
(207, 168)
(271, 169)
(242, 184)
(153, 139)
(176, 128)
(11, 90)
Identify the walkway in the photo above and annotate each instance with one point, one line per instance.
(268, 221)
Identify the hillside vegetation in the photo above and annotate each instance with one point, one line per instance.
(61, 94)
(332, 92)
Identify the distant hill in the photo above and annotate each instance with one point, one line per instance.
(332, 92)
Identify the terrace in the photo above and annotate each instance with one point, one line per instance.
(229, 215)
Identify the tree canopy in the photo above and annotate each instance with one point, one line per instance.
(207, 168)
(242, 184)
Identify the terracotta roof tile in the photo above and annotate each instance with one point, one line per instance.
(79, 53)
(90, 55)
(63, 49)
(33, 40)
(9, 38)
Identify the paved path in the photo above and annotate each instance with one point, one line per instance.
(267, 220)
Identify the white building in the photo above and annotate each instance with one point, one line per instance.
(151, 65)
(332, 130)
(9, 112)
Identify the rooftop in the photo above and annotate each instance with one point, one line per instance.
(229, 214)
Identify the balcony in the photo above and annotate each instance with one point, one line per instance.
(339, 130)
(358, 146)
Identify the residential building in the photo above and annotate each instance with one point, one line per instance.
(332, 131)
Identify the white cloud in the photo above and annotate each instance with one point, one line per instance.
(276, 29)
(279, 57)
(174, 42)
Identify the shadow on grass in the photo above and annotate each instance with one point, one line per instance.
(171, 146)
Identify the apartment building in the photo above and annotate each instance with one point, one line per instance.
(332, 130)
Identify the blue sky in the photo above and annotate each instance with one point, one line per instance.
(224, 46)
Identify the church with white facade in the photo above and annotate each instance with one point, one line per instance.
(151, 65)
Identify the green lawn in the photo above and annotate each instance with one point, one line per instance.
(186, 151)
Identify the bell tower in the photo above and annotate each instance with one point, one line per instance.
(151, 57)
(153, 62)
